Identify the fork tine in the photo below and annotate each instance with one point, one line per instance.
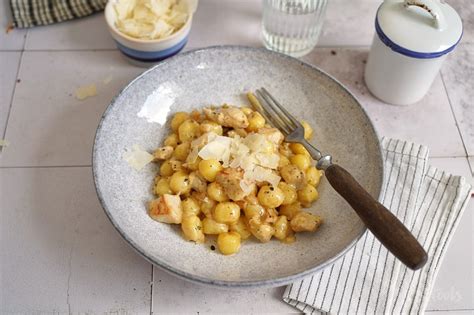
(275, 112)
(287, 115)
(274, 118)
(256, 104)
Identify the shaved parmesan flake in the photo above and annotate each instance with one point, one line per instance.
(4, 143)
(261, 174)
(137, 157)
(255, 141)
(198, 144)
(269, 160)
(86, 91)
(247, 186)
(205, 138)
(248, 162)
(193, 155)
(218, 148)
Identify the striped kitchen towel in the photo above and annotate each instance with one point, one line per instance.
(29, 13)
(368, 279)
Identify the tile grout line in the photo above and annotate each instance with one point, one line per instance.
(11, 50)
(152, 288)
(453, 113)
(90, 165)
(4, 131)
(188, 48)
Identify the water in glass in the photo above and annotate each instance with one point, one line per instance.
(292, 27)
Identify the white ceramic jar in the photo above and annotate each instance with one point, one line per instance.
(411, 42)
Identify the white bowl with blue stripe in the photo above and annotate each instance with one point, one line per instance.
(146, 52)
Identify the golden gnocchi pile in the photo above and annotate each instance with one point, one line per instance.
(224, 171)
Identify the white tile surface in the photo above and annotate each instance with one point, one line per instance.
(349, 23)
(189, 298)
(15, 39)
(48, 125)
(429, 122)
(458, 76)
(51, 222)
(228, 22)
(454, 286)
(9, 62)
(84, 34)
(59, 251)
(218, 22)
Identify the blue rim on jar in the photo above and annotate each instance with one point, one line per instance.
(405, 49)
(144, 51)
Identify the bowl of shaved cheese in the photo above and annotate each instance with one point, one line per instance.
(149, 31)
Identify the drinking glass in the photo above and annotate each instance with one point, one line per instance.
(292, 27)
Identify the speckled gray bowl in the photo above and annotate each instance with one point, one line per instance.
(213, 76)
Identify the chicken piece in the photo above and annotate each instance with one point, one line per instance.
(163, 153)
(229, 179)
(166, 209)
(263, 232)
(227, 116)
(206, 204)
(272, 134)
(237, 132)
(210, 126)
(285, 149)
(197, 182)
(270, 216)
(196, 116)
(305, 222)
(293, 176)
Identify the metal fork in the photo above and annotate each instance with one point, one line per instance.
(378, 219)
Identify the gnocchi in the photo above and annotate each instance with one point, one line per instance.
(228, 243)
(225, 172)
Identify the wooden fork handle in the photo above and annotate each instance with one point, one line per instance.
(378, 219)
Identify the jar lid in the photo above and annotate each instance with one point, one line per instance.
(418, 28)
